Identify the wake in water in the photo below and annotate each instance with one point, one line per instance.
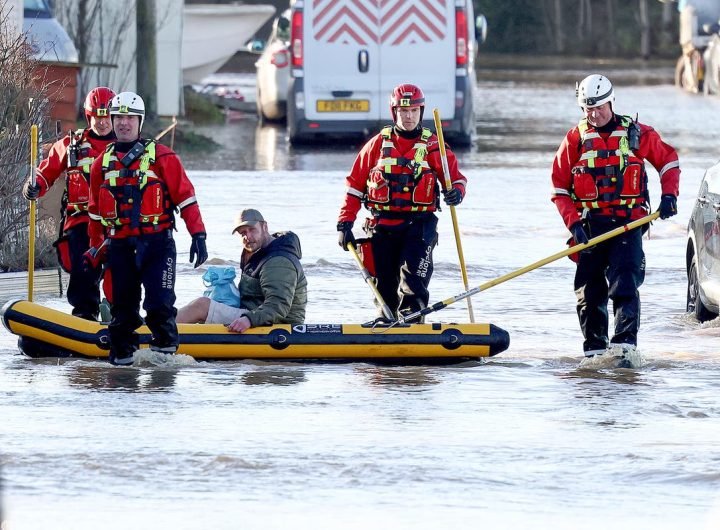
(615, 356)
(147, 358)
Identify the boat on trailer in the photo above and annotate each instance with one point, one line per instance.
(47, 332)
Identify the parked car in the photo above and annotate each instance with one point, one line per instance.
(703, 249)
(273, 71)
(711, 58)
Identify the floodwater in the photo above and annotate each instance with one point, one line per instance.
(528, 439)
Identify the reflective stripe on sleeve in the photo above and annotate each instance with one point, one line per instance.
(355, 193)
(187, 202)
(669, 166)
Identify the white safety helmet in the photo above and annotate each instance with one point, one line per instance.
(128, 104)
(593, 91)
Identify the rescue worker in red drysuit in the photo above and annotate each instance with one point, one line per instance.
(72, 157)
(135, 187)
(599, 183)
(397, 176)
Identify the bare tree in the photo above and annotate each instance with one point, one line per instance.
(668, 35)
(559, 27)
(111, 52)
(644, 22)
(99, 30)
(146, 56)
(584, 26)
(553, 23)
(23, 101)
(612, 38)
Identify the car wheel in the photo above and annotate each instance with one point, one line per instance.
(258, 108)
(715, 88)
(694, 302)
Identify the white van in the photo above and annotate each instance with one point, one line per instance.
(348, 55)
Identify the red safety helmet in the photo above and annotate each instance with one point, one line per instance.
(97, 102)
(407, 95)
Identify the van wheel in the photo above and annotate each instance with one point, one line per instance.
(694, 302)
(298, 139)
(463, 140)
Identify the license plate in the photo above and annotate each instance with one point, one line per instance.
(343, 105)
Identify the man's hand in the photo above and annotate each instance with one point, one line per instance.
(345, 234)
(668, 206)
(31, 191)
(240, 324)
(579, 234)
(94, 257)
(452, 197)
(198, 249)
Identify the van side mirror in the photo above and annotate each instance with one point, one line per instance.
(480, 29)
(255, 46)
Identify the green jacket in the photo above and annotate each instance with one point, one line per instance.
(272, 284)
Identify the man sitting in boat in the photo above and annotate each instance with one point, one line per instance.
(272, 285)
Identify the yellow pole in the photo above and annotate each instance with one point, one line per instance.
(369, 280)
(33, 211)
(448, 186)
(172, 136)
(510, 275)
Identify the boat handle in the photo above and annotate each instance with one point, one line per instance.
(363, 61)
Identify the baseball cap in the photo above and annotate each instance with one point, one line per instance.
(247, 217)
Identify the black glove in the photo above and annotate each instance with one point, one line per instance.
(452, 197)
(668, 206)
(94, 257)
(198, 248)
(345, 234)
(579, 234)
(31, 191)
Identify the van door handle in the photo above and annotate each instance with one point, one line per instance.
(363, 61)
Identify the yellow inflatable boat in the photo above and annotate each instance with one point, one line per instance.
(45, 332)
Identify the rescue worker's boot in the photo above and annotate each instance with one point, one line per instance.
(417, 320)
(592, 353)
(121, 358)
(123, 346)
(167, 350)
(105, 315)
(625, 355)
(86, 316)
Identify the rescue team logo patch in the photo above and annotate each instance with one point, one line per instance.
(317, 328)
(392, 22)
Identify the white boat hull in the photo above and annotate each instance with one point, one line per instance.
(213, 33)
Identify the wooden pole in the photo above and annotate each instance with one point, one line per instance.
(448, 186)
(33, 211)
